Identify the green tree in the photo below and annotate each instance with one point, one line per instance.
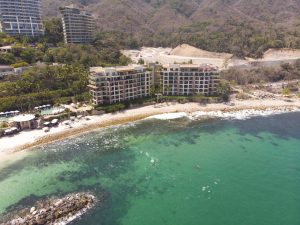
(6, 39)
(19, 64)
(7, 59)
(53, 31)
(45, 85)
(29, 55)
(141, 61)
(224, 90)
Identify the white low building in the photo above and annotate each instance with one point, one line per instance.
(26, 121)
(6, 49)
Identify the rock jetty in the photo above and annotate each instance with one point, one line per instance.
(53, 211)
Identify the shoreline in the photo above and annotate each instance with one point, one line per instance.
(27, 140)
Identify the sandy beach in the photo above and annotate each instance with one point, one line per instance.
(32, 138)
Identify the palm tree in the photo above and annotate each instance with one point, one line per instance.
(224, 90)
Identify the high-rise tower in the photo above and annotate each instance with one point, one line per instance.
(78, 25)
(21, 17)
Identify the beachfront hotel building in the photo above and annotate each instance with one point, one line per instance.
(78, 25)
(119, 84)
(21, 17)
(189, 79)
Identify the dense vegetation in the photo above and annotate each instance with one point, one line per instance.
(38, 86)
(44, 83)
(68, 82)
(264, 74)
(104, 51)
(86, 55)
(242, 27)
(223, 95)
(240, 39)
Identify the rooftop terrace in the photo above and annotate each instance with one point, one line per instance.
(117, 69)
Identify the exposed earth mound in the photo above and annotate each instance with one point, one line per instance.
(282, 54)
(190, 51)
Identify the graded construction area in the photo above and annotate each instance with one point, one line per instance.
(188, 54)
(181, 54)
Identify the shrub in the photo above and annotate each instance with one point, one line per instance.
(19, 64)
(112, 108)
(286, 91)
(242, 96)
(3, 125)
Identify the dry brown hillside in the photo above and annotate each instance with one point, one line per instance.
(190, 51)
(140, 15)
(241, 27)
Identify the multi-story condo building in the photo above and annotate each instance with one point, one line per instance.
(78, 25)
(119, 84)
(21, 17)
(187, 79)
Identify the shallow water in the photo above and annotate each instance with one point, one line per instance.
(171, 172)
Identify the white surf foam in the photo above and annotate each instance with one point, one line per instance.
(242, 114)
(169, 116)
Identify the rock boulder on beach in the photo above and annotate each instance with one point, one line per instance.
(53, 211)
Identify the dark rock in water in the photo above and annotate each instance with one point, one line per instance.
(53, 211)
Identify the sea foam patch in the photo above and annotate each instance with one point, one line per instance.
(169, 116)
(242, 114)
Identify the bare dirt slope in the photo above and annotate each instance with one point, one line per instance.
(190, 51)
(181, 54)
(281, 54)
(186, 54)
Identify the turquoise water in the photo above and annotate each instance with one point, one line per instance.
(171, 173)
(49, 111)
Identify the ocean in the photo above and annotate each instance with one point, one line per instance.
(170, 172)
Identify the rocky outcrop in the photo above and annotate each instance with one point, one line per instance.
(53, 211)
